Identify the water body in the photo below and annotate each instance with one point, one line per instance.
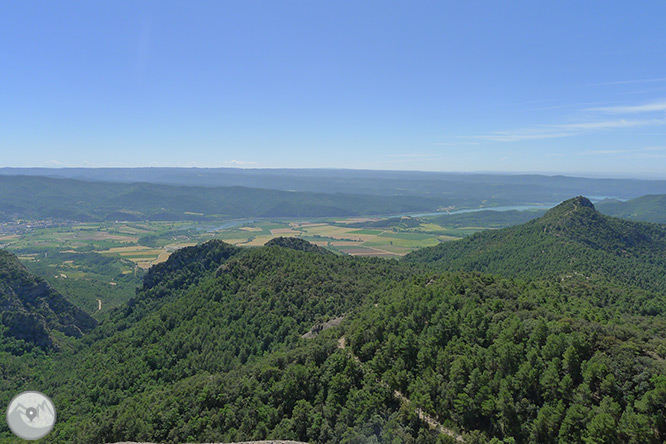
(223, 226)
(240, 222)
(476, 210)
(231, 224)
(595, 199)
(546, 206)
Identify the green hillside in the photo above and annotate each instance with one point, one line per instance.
(31, 310)
(213, 315)
(91, 279)
(651, 208)
(211, 349)
(35, 322)
(571, 241)
(296, 243)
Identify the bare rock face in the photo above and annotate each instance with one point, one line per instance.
(318, 328)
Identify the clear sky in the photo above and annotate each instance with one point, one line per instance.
(558, 86)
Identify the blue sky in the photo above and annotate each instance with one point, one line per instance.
(515, 86)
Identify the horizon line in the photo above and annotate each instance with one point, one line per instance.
(573, 174)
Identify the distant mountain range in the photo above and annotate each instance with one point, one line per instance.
(572, 240)
(347, 193)
(521, 188)
(36, 197)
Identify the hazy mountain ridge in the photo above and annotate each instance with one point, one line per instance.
(507, 187)
(41, 197)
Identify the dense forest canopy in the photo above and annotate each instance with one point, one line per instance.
(213, 346)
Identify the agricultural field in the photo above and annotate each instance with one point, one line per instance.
(148, 243)
(99, 265)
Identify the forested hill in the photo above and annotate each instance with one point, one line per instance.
(211, 350)
(572, 240)
(296, 243)
(28, 197)
(30, 310)
(209, 319)
(651, 208)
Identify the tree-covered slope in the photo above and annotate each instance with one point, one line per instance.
(570, 240)
(211, 349)
(30, 309)
(35, 322)
(296, 243)
(105, 279)
(651, 208)
(514, 362)
(208, 310)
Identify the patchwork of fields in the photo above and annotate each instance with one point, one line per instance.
(149, 243)
(124, 250)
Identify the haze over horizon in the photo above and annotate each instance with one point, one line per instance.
(562, 88)
(57, 170)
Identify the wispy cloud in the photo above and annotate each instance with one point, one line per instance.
(412, 156)
(605, 152)
(648, 156)
(631, 109)
(633, 82)
(525, 134)
(648, 152)
(572, 129)
(610, 124)
(565, 130)
(454, 143)
(240, 162)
